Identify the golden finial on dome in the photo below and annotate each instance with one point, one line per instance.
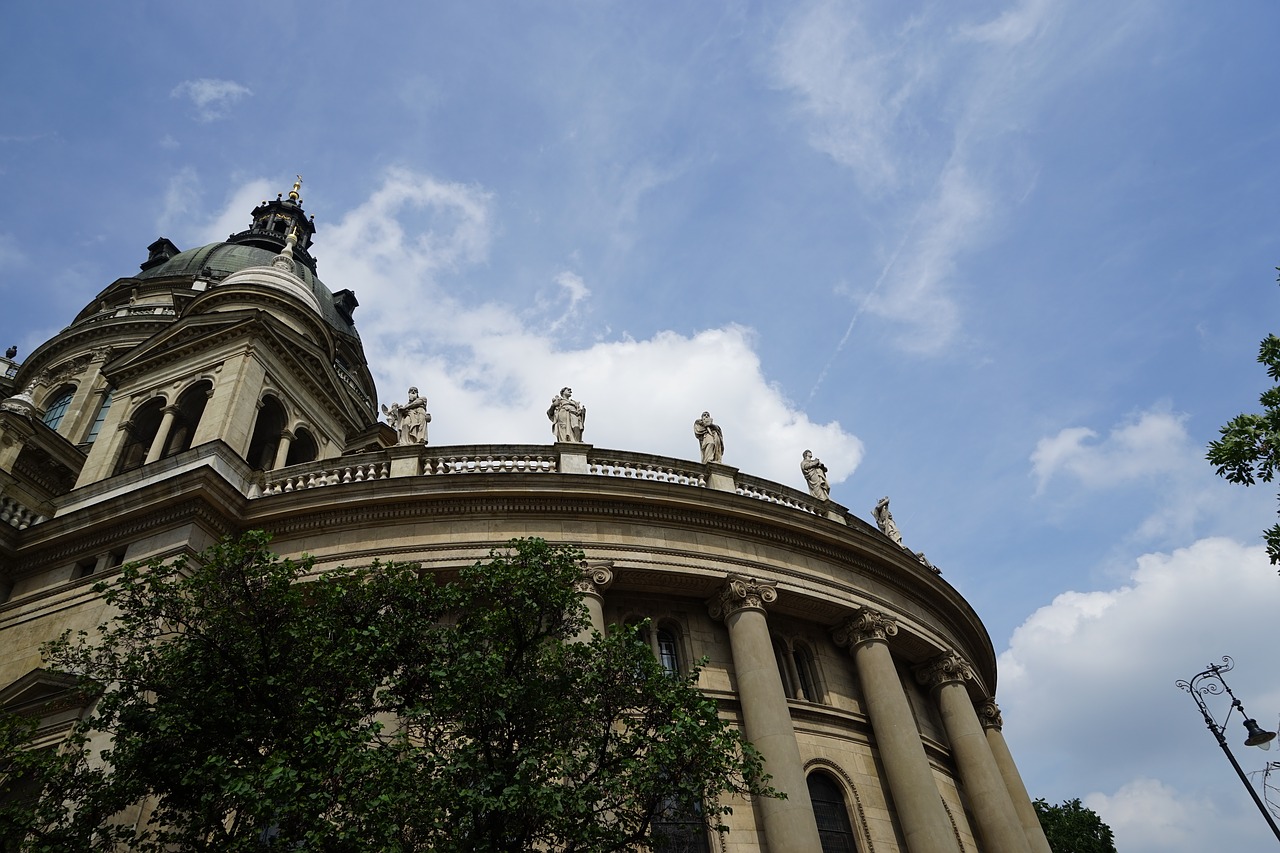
(297, 185)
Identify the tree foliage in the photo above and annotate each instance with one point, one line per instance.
(1249, 449)
(251, 702)
(1073, 828)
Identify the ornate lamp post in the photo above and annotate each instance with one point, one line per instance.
(1211, 682)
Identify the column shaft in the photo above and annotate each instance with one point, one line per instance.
(162, 435)
(1017, 790)
(993, 810)
(925, 825)
(282, 450)
(789, 825)
(596, 578)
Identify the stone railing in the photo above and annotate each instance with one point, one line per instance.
(16, 515)
(770, 492)
(328, 472)
(491, 459)
(572, 459)
(641, 466)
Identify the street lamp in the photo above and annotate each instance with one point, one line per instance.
(1258, 736)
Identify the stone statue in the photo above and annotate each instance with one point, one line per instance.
(884, 520)
(567, 416)
(410, 419)
(815, 474)
(710, 438)
(11, 352)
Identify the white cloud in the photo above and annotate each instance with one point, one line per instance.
(1154, 442)
(490, 372)
(1087, 687)
(213, 99)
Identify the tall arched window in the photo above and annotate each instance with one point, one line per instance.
(806, 674)
(139, 433)
(100, 418)
(832, 816)
(190, 409)
(783, 660)
(266, 434)
(679, 828)
(58, 406)
(668, 651)
(302, 449)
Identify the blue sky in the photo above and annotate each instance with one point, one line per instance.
(1005, 262)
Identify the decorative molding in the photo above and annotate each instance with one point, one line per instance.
(944, 669)
(597, 575)
(954, 826)
(989, 715)
(741, 593)
(864, 626)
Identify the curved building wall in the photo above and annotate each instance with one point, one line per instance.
(715, 559)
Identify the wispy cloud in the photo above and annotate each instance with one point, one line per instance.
(213, 99)
(924, 113)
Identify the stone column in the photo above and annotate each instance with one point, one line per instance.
(162, 435)
(989, 798)
(282, 449)
(597, 575)
(992, 723)
(789, 825)
(926, 826)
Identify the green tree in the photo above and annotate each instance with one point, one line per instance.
(251, 702)
(1249, 449)
(1073, 828)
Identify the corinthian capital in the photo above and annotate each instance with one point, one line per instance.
(864, 625)
(989, 715)
(946, 667)
(741, 593)
(596, 577)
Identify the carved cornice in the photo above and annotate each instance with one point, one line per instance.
(597, 575)
(989, 715)
(943, 669)
(741, 593)
(864, 626)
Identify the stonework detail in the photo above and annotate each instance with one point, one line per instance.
(863, 626)
(884, 520)
(597, 575)
(945, 668)
(710, 439)
(741, 593)
(815, 476)
(567, 416)
(989, 715)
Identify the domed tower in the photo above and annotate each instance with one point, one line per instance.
(237, 341)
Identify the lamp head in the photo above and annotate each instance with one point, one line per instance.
(1258, 736)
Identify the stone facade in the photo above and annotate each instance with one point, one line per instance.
(225, 389)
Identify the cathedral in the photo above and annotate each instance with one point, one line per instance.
(224, 388)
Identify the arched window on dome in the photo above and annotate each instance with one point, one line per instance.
(832, 815)
(303, 448)
(266, 434)
(100, 418)
(140, 431)
(57, 406)
(190, 409)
